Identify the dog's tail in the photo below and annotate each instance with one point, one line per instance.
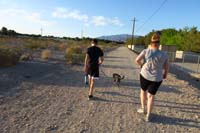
(122, 77)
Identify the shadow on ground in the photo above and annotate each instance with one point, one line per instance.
(46, 73)
(115, 57)
(118, 67)
(39, 73)
(169, 89)
(183, 75)
(167, 120)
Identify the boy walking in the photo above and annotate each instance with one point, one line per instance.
(94, 58)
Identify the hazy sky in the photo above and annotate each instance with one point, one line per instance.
(96, 17)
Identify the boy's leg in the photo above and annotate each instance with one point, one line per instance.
(91, 86)
(89, 80)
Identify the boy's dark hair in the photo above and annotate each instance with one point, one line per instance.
(95, 41)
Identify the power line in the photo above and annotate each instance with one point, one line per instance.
(162, 4)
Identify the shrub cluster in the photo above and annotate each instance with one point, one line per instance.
(45, 54)
(9, 56)
(74, 55)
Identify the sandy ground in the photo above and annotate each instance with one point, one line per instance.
(51, 97)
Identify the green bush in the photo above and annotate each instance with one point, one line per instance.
(9, 56)
(74, 55)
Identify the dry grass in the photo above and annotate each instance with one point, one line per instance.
(62, 47)
(74, 55)
(196, 75)
(9, 56)
(46, 54)
(75, 48)
(26, 57)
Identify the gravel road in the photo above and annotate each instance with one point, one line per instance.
(50, 97)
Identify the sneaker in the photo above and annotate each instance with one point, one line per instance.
(90, 97)
(141, 111)
(148, 118)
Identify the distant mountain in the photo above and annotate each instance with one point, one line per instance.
(117, 38)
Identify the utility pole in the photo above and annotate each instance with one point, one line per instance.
(41, 31)
(132, 40)
(82, 34)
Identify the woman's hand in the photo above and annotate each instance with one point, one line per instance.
(164, 75)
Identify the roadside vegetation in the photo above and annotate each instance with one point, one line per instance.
(9, 56)
(15, 47)
(186, 39)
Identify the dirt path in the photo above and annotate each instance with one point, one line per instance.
(52, 98)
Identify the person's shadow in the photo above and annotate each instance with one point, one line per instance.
(166, 120)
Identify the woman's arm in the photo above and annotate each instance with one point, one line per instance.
(139, 58)
(166, 69)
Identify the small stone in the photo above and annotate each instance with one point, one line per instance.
(163, 131)
(82, 121)
(52, 127)
(197, 117)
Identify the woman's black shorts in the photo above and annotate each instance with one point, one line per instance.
(151, 86)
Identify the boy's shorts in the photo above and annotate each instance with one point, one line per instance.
(93, 72)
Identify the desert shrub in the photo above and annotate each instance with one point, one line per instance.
(62, 47)
(9, 56)
(74, 55)
(45, 54)
(35, 46)
(26, 57)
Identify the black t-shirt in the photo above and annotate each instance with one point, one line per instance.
(94, 53)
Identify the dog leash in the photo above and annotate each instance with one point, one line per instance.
(103, 71)
(108, 82)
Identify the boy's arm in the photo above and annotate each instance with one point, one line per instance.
(86, 63)
(101, 57)
(101, 60)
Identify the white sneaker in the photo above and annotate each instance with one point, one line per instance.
(148, 118)
(141, 111)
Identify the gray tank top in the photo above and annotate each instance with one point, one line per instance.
(153, 69)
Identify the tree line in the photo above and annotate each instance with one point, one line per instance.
(186, 39)
(6, 32)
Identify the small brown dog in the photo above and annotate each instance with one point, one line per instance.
(117, 78)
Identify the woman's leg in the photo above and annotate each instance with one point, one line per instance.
(150, 102)
(143, 98)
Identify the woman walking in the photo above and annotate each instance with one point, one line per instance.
(153, 71)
